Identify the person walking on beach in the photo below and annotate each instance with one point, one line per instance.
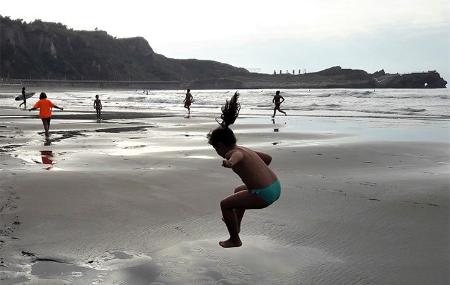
(98, 107)
(261, 186)
(277, 99)
(24, 98)
(188, 101)
(45, 111)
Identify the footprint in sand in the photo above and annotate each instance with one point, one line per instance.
(97, 281)
(371, 184)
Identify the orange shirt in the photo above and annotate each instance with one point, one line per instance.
(45, 108)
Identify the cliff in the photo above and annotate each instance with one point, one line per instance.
(42, 50)
(50, 53)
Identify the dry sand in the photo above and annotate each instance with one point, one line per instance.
(135, 200)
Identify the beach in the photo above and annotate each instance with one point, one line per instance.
(134, 199)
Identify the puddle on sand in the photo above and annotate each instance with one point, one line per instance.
(258, 261)
(110, 268)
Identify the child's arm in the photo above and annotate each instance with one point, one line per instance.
(32, 109)
(265, 157)
(236, 156)
(58, 107)
(282, 98)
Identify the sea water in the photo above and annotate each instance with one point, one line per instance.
(383, 103)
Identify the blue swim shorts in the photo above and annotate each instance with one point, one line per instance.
(270, 193)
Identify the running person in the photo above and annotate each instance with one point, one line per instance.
(277, 99)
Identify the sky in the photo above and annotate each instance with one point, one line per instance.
(395, 35)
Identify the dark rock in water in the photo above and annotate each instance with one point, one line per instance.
(430, 79)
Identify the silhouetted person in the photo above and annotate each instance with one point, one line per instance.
(98, 107)
(24, 103)
(188, 101)
(278, 99)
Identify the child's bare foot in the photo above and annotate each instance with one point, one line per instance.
(239, 226)
(230, 243)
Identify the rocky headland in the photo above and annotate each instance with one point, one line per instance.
(43, 53)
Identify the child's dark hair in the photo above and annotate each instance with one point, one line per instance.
(230, 111)
(224, 134)
(42, 95)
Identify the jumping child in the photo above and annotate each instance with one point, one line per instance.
(98, 107)
(261, 186)
(45, 111)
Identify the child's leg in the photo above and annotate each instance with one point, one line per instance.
(46, 126)
(241, 200)
(239, 212)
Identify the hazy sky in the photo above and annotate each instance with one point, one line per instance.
(397, 35)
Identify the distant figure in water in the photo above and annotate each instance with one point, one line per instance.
(24, 103)
(45, 111)
(188, 101)
(98, 107)
(277, 99)
(261, 186)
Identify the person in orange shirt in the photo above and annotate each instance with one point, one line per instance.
(45, 111)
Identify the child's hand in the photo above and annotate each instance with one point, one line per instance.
(226, 163)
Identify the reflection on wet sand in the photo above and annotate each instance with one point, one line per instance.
(275, 130)
(47, 158)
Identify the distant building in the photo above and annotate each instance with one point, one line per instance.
(281, 72)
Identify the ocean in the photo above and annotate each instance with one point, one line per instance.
(424, 104)
(430, 104)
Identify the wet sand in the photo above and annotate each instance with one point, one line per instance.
(135, 200)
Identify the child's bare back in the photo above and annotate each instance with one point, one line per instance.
(251, 166)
